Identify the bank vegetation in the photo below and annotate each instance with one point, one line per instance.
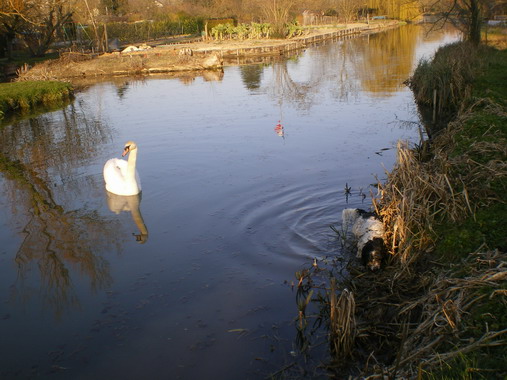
(22, 97)
(439, 308)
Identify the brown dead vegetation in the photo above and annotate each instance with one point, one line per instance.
(74, 65)
(415, 315)
(422, 313)
(420, 192)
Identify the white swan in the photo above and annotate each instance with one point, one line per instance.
(121, 176)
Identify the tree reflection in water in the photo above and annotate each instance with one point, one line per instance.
(38, 160)
(388, 59)
(379, 67)
(345, 68)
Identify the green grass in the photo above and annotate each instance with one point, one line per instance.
(460, 239)
(24, 96)
(481, 138)
(493, 81)
(485, 362)
(465, 367)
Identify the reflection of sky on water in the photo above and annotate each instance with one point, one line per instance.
(435, 38)
(232, 210)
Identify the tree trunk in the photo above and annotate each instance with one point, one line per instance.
(474, 32)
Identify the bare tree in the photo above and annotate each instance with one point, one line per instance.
(10, 24)
(347, 9)
(466, 15)
(469, 18)
(278, 13)
(35, 22)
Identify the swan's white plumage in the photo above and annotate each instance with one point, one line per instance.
(121, 176)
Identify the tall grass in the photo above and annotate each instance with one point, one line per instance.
(439, 309)
(445, 83)
(342, 322)
(448, 208)
(23, 96)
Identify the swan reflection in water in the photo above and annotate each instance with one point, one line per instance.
(129, 203)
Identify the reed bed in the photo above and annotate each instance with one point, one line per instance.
(445, 83)
(437, 311)
(451, 186)
(425, 311)
(430, 307)
(446, 306)
(342, 322)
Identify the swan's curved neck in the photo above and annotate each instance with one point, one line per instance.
(131, 163)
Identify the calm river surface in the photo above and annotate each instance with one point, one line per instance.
(194, 281)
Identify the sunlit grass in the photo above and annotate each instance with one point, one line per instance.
(24, 96)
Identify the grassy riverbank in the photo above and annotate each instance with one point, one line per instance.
(23, 96)
(439, 308)
(444, 206)
(475, 143)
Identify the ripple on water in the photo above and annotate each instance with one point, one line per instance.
(291, 223)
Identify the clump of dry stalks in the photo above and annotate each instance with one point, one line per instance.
(445, 81)
(342, 323)
(417, 194)
(448, 302)
(405, 315)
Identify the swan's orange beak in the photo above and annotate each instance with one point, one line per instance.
(125, 150)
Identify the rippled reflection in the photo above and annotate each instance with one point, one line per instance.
(242, 177)
(131, 203)
(38, 159)
(387, 59)
(377, 63)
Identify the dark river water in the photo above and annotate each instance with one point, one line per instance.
(192, 279)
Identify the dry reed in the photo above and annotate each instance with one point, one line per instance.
(445, 305)
(415, 308)
(342, 323)
(448, 76)
(426, 310)
(418, 194)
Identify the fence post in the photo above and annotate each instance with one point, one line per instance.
(434, 105)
